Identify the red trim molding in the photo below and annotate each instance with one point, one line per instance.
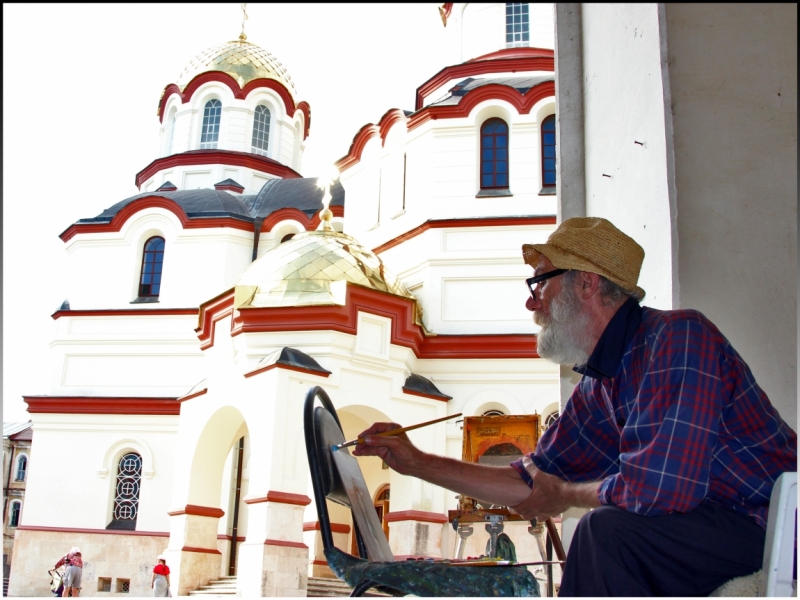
(281, 498)
(212, 311)
(320, 562)
(135, 312)
(91, 531)
(444, 11)
(224, 157)
(415, 515)
(288, 368)
(522, 103)
(479, 222)
(106, 405)
(517, 53)
(229, 538)
(238, 92)
(191, 396)
(200, 550)
(345, 318)
(388, 120)
(424, 395)
(364, 135)
(513, 60)
(198, 511)
(229, 188)
(335, 527)
(286, 543)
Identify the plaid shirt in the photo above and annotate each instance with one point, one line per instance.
(667, 416)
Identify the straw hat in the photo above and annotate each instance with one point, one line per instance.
(594, 245)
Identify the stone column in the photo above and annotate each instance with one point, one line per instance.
(415, 533)
(192, 554)
(273, 560)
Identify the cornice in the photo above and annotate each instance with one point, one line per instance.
(522, 103)
(223, 157)
(344, 319)
(473, 222)
(126, 312)
(509, 60)
(106, 405)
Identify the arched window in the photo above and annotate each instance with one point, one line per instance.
(16, 510)
(549, 151)
(550, 419)
(152, 263)
(171, 142)
(210, 133)
(494, 154)
(126, 499)
(517, 25)
(22, 467)
(261, 130)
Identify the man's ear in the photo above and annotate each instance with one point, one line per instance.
(589, 284)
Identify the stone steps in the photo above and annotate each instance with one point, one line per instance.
(225, 586)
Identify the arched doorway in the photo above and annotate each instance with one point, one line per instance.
(382, 507)
(381, 504)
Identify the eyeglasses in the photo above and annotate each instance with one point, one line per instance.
(534, 281)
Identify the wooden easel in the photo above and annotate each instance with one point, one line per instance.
(499, 440)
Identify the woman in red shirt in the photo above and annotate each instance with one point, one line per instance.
(160, 579)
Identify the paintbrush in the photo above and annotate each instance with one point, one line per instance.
(396, 431)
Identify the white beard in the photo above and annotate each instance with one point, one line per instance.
(564, 336)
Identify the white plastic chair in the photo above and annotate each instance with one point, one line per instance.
(779, 544)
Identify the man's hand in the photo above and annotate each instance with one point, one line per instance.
(551, 495)
(397, 451)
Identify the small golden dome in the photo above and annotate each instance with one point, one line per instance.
(241, 60)
(313, 268)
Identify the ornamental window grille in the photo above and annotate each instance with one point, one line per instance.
(211, 118)
(129, 475)
(22, 467)
(16, 509)
(550, 419)
(549, 151)
(152, 265)
(261, 120)
(517, 25)
(494, 154)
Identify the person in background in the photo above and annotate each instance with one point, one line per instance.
(160, 580)
(667, 437)
(73, 572)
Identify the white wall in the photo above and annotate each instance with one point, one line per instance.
(623, 104)
(198, 263)
(733, 78)
(72, 479)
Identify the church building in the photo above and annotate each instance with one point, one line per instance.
(202, 309)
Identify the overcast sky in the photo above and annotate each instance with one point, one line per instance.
(81, 84)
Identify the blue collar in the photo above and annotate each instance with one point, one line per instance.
(615, 339)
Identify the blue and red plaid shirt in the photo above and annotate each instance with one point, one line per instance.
(667, 416)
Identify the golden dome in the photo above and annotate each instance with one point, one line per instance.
(313, 268)
(241, 60)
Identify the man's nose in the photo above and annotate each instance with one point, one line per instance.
(530, 304)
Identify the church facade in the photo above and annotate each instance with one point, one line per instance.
(201, 310)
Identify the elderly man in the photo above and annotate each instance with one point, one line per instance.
(667, 436)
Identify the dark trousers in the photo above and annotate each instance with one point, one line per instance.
(618, 553)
